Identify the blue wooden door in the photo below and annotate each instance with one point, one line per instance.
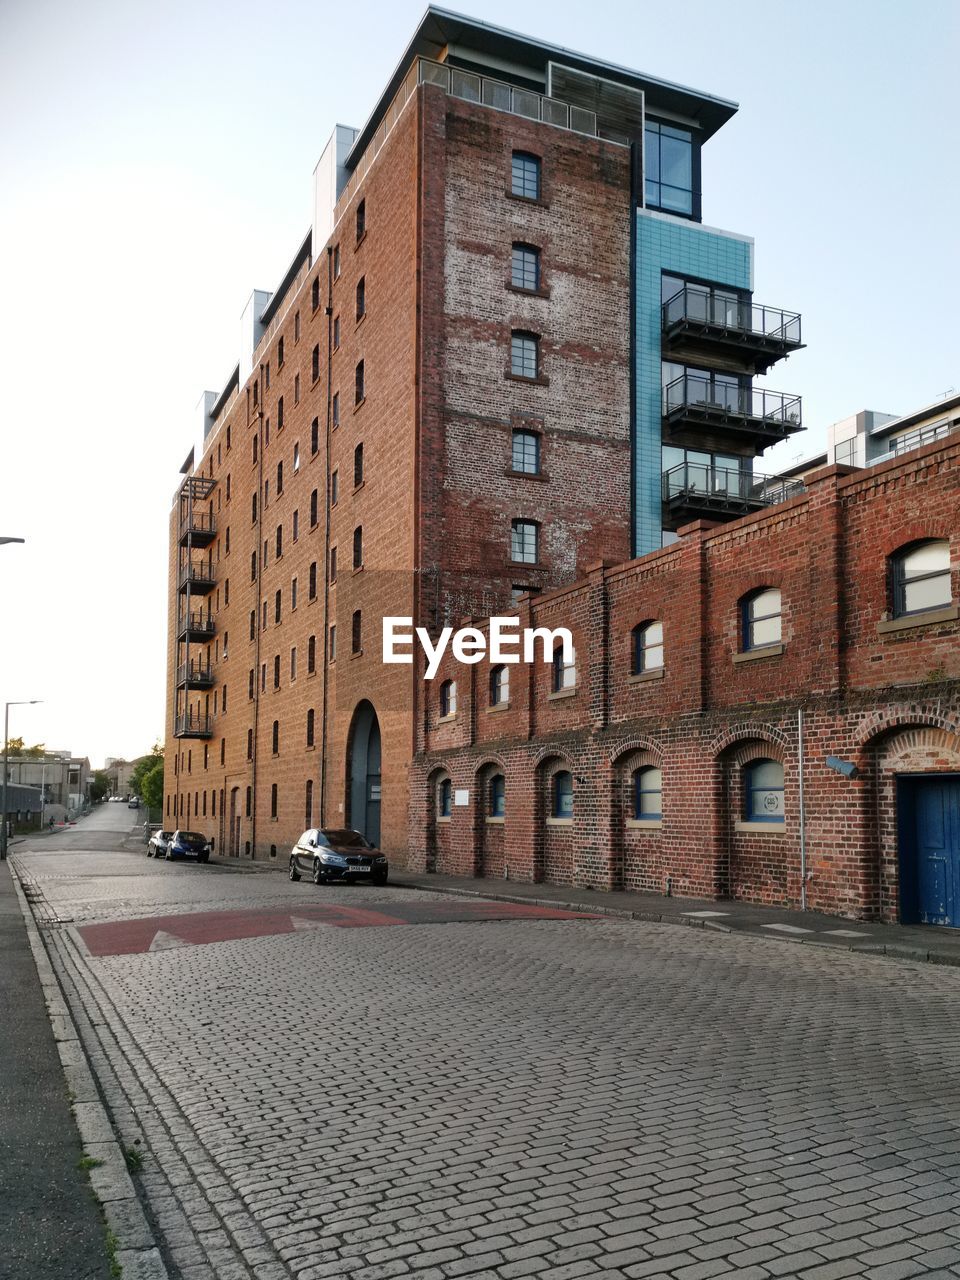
(936, 849)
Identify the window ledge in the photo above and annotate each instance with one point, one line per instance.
(443, 817)
(447, 719)
(928, 618)
(536, 201)
(358, 487)
(644, 824)
(754, 655)
(513, 474)
(562, 693)
(360, 320)
(495, 822)
(360, 240)
(358, 653)
(559, 822)
(761, 828)
(539, 292)
(541, 380)
(358, 405)
(643, 676)
(498, 706)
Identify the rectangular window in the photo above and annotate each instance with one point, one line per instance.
(253, 509)
(293, 663)
(315, 436)
(336, 408)
(311, 655)
(524, 355)
(278, 607)
(313, 509)
(523, 541)
(310, 720)
(293, 594)
(263, 677)
(279, 541)
(336, 333)
(315, 363)
(333, 642)
(251, 683)
(296, 327)
(361, 220)
(295, 532)
(276, 671)
(360, 383)
(279, 478)
(313, 581)
(525, 267)
(336, 262)
(253, 566)
(358, 466)
(526, 452)
(296, 388)
(357, 631)
(253, 624)
(358, 547)
(315, 294)
(361, 297)
(296, 457)
(280, 353)
(333, 564)
(525, 176)
(280, 414)
(334, 488)
(671, 163)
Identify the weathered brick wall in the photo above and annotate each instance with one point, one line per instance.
(708, 715)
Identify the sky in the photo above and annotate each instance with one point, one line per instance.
(155, 167)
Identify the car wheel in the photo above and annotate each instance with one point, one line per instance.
(317, 873)
(168, 856)
(149, 851)
(203, 857)
(381, 880)
(294, 873)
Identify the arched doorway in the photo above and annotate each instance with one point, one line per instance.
(363, 773)
(234, 823)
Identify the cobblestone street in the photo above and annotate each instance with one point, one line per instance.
(507, 1097)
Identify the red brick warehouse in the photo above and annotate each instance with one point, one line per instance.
(668, 756)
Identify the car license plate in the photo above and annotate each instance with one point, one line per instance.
(358, 868)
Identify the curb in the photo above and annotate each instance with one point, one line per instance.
(878, 950)
(137, 1251)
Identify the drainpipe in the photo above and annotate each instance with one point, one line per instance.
(258, 650)
(803, 823)
(327, 515)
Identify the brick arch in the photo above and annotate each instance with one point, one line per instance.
(486, 761)
(918, 531)
(436, 845)
(550, 753)
(489, 858)
(738, 733)
(884, 722)
(617, 756)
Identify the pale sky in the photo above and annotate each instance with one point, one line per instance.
(155, 166)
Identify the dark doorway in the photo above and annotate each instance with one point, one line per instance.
(234, 824)
(363, 773)
(929, 829)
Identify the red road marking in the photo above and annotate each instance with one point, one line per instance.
(134, 937)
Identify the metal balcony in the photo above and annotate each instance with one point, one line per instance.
(699, 323)
(696, 489)
(695, 406)
(197, 530)
(195, 628)
(195, 674)
(198, 577)
(192, 724)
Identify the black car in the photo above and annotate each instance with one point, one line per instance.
(334, 853)
(187, 844)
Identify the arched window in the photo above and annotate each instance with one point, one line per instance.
(921, 577)
(276, 736)
(647, 789)
(273, 801)
(564, 673)
(358, 547)
(763, 791)
(444, 798)
(308, 803)
(499, 686)
(448, 698)
(562, 794)
(497, 796)
(647, 647)
(310, 731)
(760, 620)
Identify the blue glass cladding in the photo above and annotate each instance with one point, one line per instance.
(688, 249)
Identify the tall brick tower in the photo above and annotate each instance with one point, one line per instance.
(506, 350)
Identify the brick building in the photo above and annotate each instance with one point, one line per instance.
(702, 742)
(507, 349)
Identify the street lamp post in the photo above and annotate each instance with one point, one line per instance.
(29, 702)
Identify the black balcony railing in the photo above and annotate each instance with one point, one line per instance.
(696, 399)
(195, 675)
(193, 724)
(198, 530)
(195, 626)
(696, 310)
(198, 575)
(702, 487)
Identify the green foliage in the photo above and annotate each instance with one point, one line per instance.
(151, 786)
(143, 767)
(99, 786)
(15, 747)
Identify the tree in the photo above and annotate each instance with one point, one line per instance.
(143, 767)
(15, 747)
(151, 786)
(99, 786)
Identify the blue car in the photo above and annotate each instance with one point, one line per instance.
(188, 844)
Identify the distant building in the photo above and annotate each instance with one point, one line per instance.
(868, 437)
(62, 778)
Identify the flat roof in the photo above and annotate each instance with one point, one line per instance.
(941, 407)
(440, 27)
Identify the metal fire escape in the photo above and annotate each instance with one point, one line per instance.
(195, 582)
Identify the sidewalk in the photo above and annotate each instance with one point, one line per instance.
(50, 1224)
(781, 924)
